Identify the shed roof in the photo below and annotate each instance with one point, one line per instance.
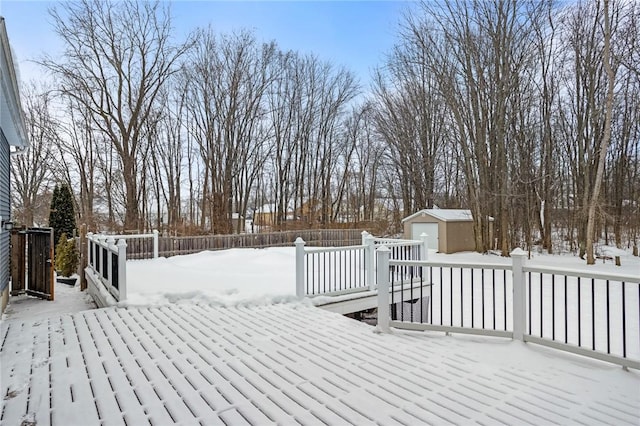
(445, 215)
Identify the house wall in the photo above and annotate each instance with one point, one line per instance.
(264, 219)
(12, 132)
(5, 212)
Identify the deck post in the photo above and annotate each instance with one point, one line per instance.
(364, 235)
(155, 243)
(300, 267)
(122, 269)
(519, 295)
(110, 242)
(100, 244)
(369, 258)
(91, 251)
(382, 255)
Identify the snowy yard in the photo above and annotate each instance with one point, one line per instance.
(219, 338)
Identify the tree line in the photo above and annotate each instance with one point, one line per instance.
(525, 112)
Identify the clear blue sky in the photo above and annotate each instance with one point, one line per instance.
(352, 33)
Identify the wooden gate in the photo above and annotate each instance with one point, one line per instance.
(32, 262)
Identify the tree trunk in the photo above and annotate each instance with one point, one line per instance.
(606, 137)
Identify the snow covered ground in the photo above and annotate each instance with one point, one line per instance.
(225, 277)
(67, 299)
(259, 276)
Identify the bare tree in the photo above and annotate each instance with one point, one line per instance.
(33, 170)
(117, 57)
(603, 144)
(228, 78)
(479, 54)
(411, 119)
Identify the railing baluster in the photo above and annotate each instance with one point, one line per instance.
(624, 322)
(579, 316)
(553, 307)
(431, 295)
(493, 304)
(441, 301)
(530, 285)
(461, 298)
(472, 313)
(504, 296)
(421, 295)
(541, 313)
(451, 292)
(566, 315)
(482, 283)
(394, 307)
(593, 316)
(608, 322)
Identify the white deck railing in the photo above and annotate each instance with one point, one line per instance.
(340, 270)
(590, 314)
(106, 269)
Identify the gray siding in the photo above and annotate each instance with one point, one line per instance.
(5, 209)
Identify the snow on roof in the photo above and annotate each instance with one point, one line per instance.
(271, 208)
(445, 215)
(290, 363)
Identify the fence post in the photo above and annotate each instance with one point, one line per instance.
(382, 255)
(300, 292)
(369, 260)
(155, 243)
(425, 246)
(122, 269)
(519, 295)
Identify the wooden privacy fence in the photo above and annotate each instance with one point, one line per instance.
(143, 248)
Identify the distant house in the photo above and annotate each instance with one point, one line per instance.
(449, 230)
(384, 208)
(12, 133)
(310, 211)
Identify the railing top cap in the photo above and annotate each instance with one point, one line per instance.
(518, 252)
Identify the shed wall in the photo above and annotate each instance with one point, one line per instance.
(453, 236)
(459, 237)
(427, 219)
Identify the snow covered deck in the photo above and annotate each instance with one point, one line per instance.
(290, 363)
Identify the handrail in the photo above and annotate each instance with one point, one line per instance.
(611, 276)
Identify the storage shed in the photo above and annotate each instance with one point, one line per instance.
(449, 230)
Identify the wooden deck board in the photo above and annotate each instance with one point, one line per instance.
(289, 363)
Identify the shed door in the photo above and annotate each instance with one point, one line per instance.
(431, 229)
